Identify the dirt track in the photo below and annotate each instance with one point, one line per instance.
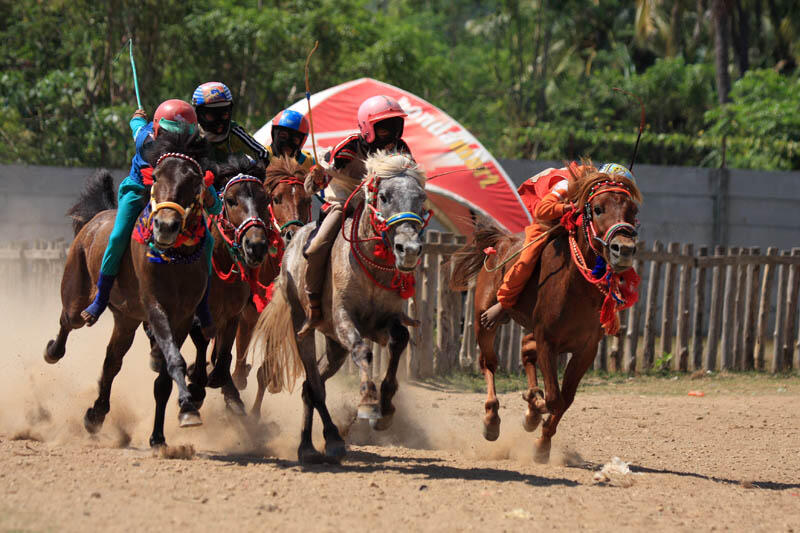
(728, 460)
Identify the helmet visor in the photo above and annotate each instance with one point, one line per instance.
(214, 120)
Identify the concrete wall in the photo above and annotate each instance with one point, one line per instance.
(708, 206)
(685, 204)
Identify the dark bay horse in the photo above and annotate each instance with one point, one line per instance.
(290, 210)
(370, 272)
(562, 302)
(160, 284)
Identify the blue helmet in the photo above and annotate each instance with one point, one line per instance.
(212, 92)
(616, 168)
(298, 127)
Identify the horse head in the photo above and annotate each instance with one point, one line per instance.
(291, 204)
(245, 207)
(396, 196)
(609, 204)
(175, 197)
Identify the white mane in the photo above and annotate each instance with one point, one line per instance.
(385, 165)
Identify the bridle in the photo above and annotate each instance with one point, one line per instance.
(291, 180)
(589, 229)
(184, 212)
(251, 222)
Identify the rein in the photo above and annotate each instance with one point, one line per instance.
(184, 212)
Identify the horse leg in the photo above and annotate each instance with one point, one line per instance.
(176, 366)
(56, 348)
(368, 407)
(118, 345)
(198, 376)
(221, 375)
(554, 401)
(162, 388)
(262, 379)
(534, 395)
(76, 285)
(488, 364)
(576, 368)
(398, 340)
(247, 322)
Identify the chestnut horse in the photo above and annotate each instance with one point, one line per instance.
(160, 282)
(562, 302)
(290, 210)
(369, 274)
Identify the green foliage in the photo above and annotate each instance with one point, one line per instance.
(529, 78)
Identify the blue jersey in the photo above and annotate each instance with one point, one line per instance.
(142, 135)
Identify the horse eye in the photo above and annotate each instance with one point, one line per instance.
(598, 210)
(231, 201)
(276, 200)
(383, 198)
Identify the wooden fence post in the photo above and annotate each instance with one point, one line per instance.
(650, 309)
(764, 307)
(427, 307)
(698, 310)
(715, 314)
(780, 311)
(751, 312)
(790, 327)
(441, 360)
(668, 304)
(467, 332)
(740, 272)
(684, 288)
(633, 324)
(728, 310)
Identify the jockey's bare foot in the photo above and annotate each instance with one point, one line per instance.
(88, 318)
(313, 319)
(491, 316)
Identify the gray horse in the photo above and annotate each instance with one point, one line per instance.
(363, 300)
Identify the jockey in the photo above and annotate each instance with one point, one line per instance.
(213, 103)
(289, 134)
(553, 205)
(171, 116)
(380, 124)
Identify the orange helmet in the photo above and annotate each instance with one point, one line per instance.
(174, 115)
(374, 110)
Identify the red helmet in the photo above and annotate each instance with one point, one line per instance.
(375, 109)
(171, 115)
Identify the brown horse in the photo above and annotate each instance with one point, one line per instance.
(363, 299)
(163, 295)
(242, 241)
(290, 210)
(560, 305)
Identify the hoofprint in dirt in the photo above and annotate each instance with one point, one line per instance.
(727, 460)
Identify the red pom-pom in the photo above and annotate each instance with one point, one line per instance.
(147, 175)
(208, 178)
(489, 250)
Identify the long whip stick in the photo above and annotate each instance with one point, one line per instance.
(135, 79)
(641, 125)
(308, 99)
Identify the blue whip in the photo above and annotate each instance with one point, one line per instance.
(135, 79)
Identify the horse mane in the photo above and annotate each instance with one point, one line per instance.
(237, 164)
(183, 142)
(386, 165)
(281, 168)
(97, 195)
(586, 176)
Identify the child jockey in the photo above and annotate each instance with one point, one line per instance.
(289, 134)
(213, 103)
(380, 123)
(171, 116)
(550, 208)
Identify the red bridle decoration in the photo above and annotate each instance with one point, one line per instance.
(293, 182)
(619, 289)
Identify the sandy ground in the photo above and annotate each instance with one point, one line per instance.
(725, 461)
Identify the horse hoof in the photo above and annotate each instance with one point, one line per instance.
(157, 443)
(531, 421)
(491, 431)
(235, 406)
(240, 379)
(541, 454)
(198, 394)
(369, 411)
(381, 424)
(51, 355)
(188, 419)
(335, 450)
(309, 456)
(92, 422)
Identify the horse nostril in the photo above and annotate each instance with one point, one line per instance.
(615, 248)
(289, 235)
(398, 248)
(256, 249)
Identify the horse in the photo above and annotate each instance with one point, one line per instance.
(290, 209)
(245, 244)
(561, 303)
(161, 280)
(369, 275)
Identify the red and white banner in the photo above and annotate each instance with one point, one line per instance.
(462, 175)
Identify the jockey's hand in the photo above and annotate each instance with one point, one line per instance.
(140, 113)
(317, 179)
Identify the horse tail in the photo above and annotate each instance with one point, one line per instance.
(97, 195)
(468, 261)
(273, 346)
